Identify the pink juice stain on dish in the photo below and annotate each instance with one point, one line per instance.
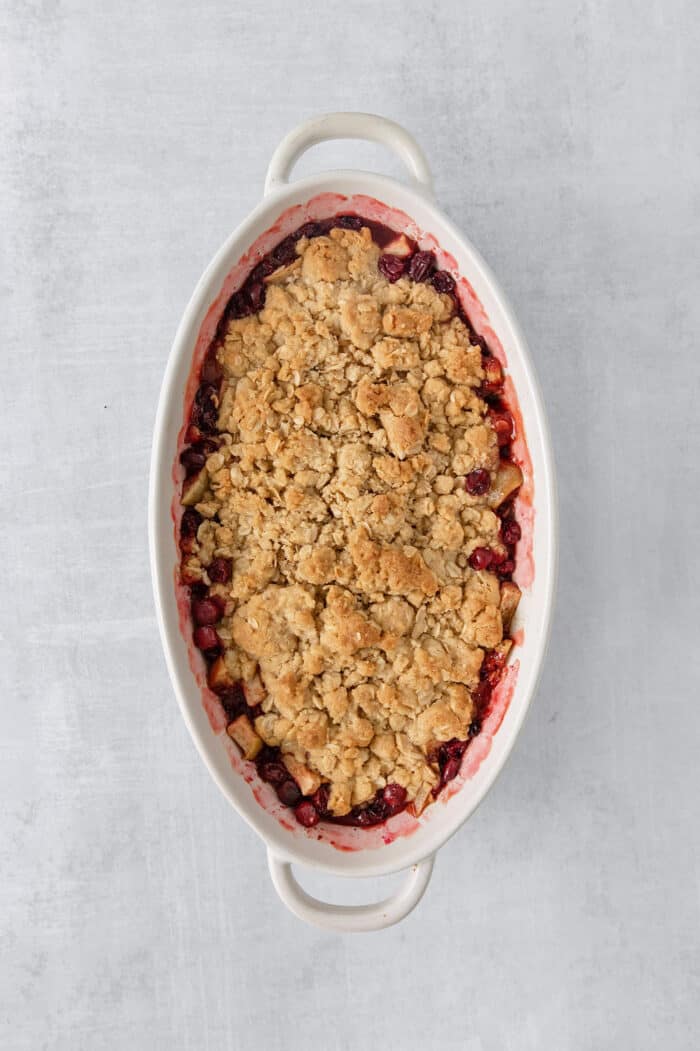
(343, 837)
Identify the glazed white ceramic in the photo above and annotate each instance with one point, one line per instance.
(416, 851)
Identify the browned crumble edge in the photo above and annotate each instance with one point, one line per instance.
(348, 535)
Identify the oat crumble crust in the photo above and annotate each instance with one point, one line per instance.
(349, 415)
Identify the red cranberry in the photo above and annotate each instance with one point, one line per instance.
(205, 611)
(378, 810)
(492, 666)
(264, 268)
(350, 222)
(310, 230)
(211, 370)
(442, 281)
(306, 814)
(233, 701)
(392, 266)
(420, 265)
(481, 694)
(189, 524)
(238, 305)
(285, 252)
(477, 482)
(474, 728)
(451, 769)
(454, 749)
(493, 374)
(506, 568)
(256, 296)
(273, 772)
(361, 818)
(288, 793)
(394, 796)
(207, 640)
(510, 532)
(320, 798)
(503, 425)
(481, 558)
(498, 557)
(220, 571)
(192, 460)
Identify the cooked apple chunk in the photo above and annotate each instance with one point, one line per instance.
(219, 677)
(194, 488)
(241, 731)
(510, 597)
(507, 479)
(308, 782)
(399, 246)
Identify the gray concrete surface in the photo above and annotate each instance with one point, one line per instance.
(136, 907)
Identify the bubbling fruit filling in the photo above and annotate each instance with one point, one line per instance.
(348, 536)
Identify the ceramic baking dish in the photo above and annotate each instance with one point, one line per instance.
(404, 842)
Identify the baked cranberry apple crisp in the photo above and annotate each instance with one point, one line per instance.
(348, 534)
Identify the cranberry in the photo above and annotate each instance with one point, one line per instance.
(307, 814)
(189, 524)
(481, 558)
(320, 798)
(238, 305)
(477, 482)
(503, 425)
(220, 571)
(498, 556)
(378, 810)
(288, 792)
(451, 769)
(442, 281)
(492, 666)
(285, 252)
(475, 728)
(256, 296)
(211, 370)
(420, 265)
(309, 230)
(454, 749)
(394, 796)
(233, 700)
(350, 222)
(510, 532)
(204, 411)
(207, 640)
(506, 567)
(193, 434)
(481, 694)
(264, 268)
(361, 818)
(273, 772)
(205, 611)
(493, 375)
(192, 460)
(392, 266)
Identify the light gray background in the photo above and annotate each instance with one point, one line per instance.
(136, 907)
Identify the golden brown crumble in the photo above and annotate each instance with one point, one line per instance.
(349, 416)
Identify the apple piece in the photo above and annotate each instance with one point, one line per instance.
(241, 731)
(194, 488)
(255, 692)
(219, 677)
(400, 246)
(423, 797)
(510, 597)
(507, 479)
(307, 780)
(493, 373)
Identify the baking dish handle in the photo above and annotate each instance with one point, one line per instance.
(348, 126)
(350, 919)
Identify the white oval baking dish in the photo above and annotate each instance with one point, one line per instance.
(404, 843)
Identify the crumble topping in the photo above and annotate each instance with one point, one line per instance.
(349, 416)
